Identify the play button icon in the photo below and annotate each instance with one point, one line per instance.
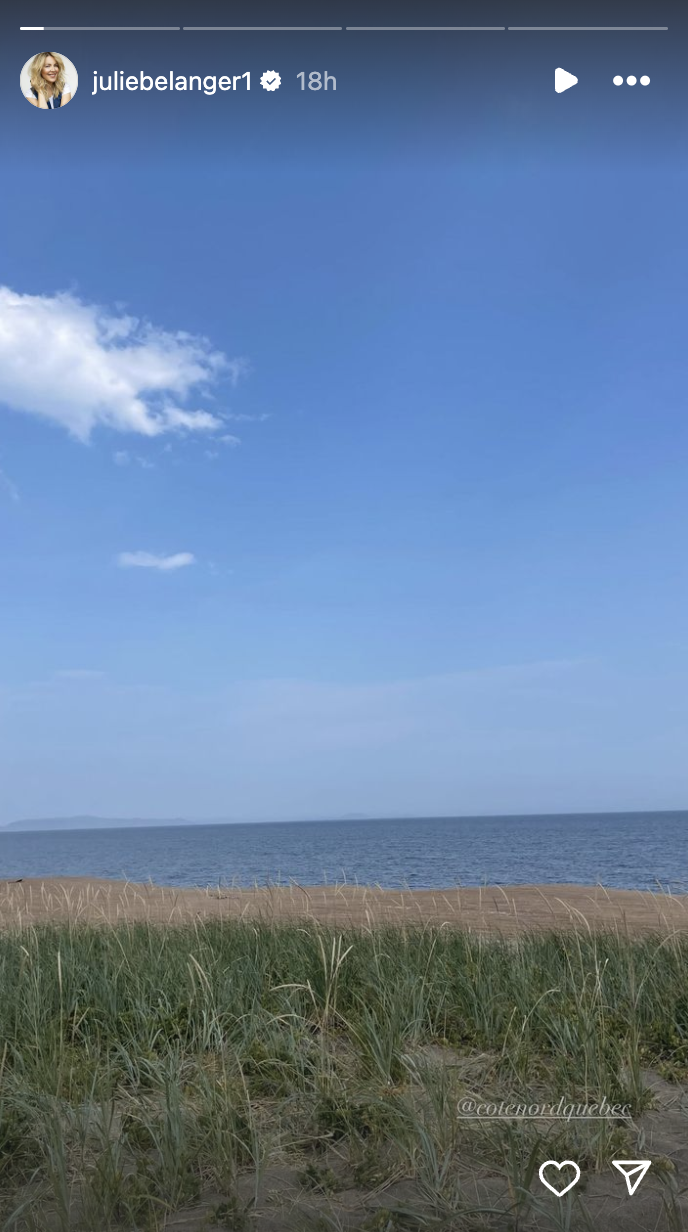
(564, 80)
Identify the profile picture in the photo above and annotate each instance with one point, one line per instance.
(48, 80)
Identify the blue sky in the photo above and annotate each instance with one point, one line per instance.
(343, 469)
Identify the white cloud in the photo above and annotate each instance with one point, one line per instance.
(81, 366)
(229, 439)
(149, 560)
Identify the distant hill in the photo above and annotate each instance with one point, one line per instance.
(87, 822)
(92, 823)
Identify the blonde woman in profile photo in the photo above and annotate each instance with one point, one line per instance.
(48, 78)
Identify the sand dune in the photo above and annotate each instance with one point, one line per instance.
(505, 910)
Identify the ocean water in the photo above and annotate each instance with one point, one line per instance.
(635, 851)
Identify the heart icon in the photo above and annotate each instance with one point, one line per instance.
(566, 1163)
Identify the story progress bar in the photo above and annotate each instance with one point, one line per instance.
(360, 29)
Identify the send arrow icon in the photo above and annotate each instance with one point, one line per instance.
(633, 1171)
(563, 80)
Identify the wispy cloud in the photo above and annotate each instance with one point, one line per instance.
(78, 673)
(149, 560)
(81, 365)
(561, 735)
(8, 486)
(122, 457)
(244, 417)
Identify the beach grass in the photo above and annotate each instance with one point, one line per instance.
(233, 1073)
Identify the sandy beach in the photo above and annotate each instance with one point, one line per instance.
(504, 910)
